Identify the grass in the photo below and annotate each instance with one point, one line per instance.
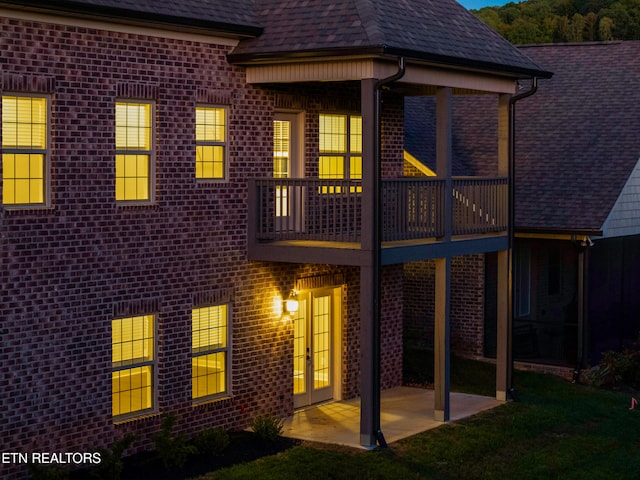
(557, 430)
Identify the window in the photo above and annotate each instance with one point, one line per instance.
(210, 351)
(132, 345)
(134, 151)
(211, 137)
(24, 150)
(282, 163)
(340, 148)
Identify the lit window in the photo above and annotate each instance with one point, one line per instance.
(132, 346)
(340, 148)
(24, 150)
(281, 163)
(211, 137)
(133, 151)
(210, 351)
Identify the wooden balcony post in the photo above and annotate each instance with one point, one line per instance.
(442, 350)
(504, 363)
(504, 322)
(444, 161)
(444, 154)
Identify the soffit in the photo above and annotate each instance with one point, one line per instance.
(418, 79)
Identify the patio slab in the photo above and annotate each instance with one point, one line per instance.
(404, 411)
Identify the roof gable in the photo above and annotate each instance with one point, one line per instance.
(577, 143)
(440, 31)
(577, 137)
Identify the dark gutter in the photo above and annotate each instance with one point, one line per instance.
(385, 50)
(560, 231)
(135, 17)
(376, 253)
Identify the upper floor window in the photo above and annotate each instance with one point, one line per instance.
(211, 142)
(133, 360)
(340, 147)
(210, 351)
(24, 150)
(134, 151)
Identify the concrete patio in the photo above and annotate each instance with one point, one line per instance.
(404, 411)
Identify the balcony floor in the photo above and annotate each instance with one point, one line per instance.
(404, 411)
(351, 253)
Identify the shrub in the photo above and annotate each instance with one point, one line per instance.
(267, 427)
(624, 366)
(111, 464)
(47, 472)
(173, 450)
(211, 441)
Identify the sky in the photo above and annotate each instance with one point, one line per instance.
(477, 4)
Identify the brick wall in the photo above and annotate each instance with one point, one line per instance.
(70, 269)
(467, 304)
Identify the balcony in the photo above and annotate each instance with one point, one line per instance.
(325, 214)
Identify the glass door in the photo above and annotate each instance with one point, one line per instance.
(313, 362)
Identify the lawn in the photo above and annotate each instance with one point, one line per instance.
(557, 430)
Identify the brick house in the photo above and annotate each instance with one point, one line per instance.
(190, 196)
(577, 224)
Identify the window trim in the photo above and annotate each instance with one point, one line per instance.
(347, 157)
(46, 194)
(226, 393)
(151, 153)
(348, 154)
(224, 145)
(153, 363)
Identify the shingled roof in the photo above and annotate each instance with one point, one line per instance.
(439, 31)
(577, 137)
(233, 17)
(577, 143)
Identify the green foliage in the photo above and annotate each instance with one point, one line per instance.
(211, 441)
(558, 430)
(267, 427)
(173, 450)
(624, 367)
(47, 472)
(544, 21)
(111, 464)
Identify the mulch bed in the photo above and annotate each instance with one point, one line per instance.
(244, 447)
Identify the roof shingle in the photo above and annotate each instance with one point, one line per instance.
(435, 30)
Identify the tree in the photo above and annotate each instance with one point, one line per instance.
(577, 28)
(590, 23)
(605, 28)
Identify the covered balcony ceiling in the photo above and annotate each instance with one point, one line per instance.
(419, 78)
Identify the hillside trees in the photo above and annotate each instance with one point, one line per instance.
(545, 21)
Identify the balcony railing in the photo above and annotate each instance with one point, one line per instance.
(331, 210)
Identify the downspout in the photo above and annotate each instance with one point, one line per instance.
(512, 217)
(377, 240)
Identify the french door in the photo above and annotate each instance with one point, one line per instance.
(313, 352)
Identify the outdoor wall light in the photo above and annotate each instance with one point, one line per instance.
(291, 304)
